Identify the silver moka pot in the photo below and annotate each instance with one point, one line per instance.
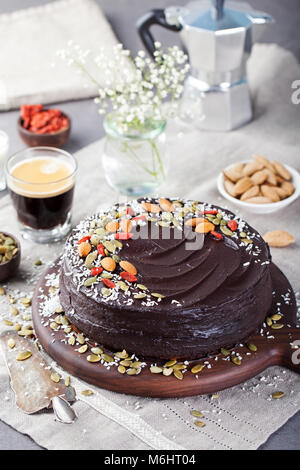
(218, 40)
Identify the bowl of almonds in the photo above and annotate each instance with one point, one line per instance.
(10, 255)
(259, 186)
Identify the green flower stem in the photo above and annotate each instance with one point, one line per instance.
(155, 149)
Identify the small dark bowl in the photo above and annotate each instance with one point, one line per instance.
(57, 139)
(10, 268)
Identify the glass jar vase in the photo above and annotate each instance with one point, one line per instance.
(135, 161)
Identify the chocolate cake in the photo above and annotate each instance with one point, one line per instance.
(166, 279)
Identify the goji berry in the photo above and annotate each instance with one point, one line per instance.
(123, 235)
(207, 212)
(84, 239)
(139, 217)
(233, 225)
(100, 249)
(127, 276)
(96, 271)
(217, 235)
(108, 283)
(129, 211)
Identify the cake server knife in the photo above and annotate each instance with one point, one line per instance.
(30, 376)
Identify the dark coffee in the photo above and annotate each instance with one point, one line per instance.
(42, 191)
(43, 213)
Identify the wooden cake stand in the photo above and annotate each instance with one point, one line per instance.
(217, 374)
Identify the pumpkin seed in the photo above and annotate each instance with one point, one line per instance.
(197, 368)
(142, 287)
(25, 332)
(252, 347)
(276, 317)
(2, 291)
(179, 366)
(90, 281)
(38, 262)
(55, 377)
(223, 222)
(95, 239)
(11, 299)
(68, 330)
(121, 369)
(170, 363)
(53, 325)
(216, 221)
(136, 364)
(118, 244)
(200, 424)
(65, 321)
(116, 258)
(196, 413)
(25, 301)
(101, 232)
(277, 395)
(89, 260)
(11, 343)
(269, 321)
(178, 374)
(243, 235)
(97, 351)
(80, 338)
(131, 371)
(159, 296)
(67, 381)
(110, 246)
(141, 295)
(7, 322)
(156, 370)
(87, 393)
(107, 358)
(277, 326)
(123, 286)
(226, 231)
(126, 362)
(225, 352)
(167, 216)
(71, 340)
(121, 354)
(163, 223)
(59, 310)
(105, 292)
(83, 349)
(22, 356)
(106, 275)
(167, 371)
(17, 327)
(93, 358)
(247, 240)
(236, 360)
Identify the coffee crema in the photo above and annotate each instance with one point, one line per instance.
(42, 190)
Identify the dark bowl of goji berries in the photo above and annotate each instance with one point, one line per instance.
(39, 126)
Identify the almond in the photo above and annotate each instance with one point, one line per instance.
(84, 249)
(269, 192)
(259, 177)
(112, 226)
(166, 205)
(271, 177)
(264, 161)
(126, 225)
(230, 188)
(288, 188)
(204, 227)
(195, 221)
(243, 185)
(108, 264)
(147, 206)
(252, 192)
(258, 200)
(232, 174)
(282, 171)
(251, 168)
(279, 238)
(128, 267)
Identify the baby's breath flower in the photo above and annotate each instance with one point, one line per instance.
(135, 88)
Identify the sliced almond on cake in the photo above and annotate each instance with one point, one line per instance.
(166, 205)
(128, 267)
(84, 249)
(108, 264)
(112, 226)
(126, 225)
(204, 227)
(195, 221)
(282, 171)
(147, 206)
(279, 238)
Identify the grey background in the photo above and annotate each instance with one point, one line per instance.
(87, 127)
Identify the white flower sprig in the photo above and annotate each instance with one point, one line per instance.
(134, 88)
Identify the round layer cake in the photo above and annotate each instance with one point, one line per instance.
(166, 278)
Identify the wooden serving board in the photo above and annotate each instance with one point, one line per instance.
(221, 374)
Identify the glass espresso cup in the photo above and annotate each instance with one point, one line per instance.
(41, 183)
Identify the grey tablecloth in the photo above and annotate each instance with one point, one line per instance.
(244, 416)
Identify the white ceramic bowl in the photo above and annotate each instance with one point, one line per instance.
(262, 208)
